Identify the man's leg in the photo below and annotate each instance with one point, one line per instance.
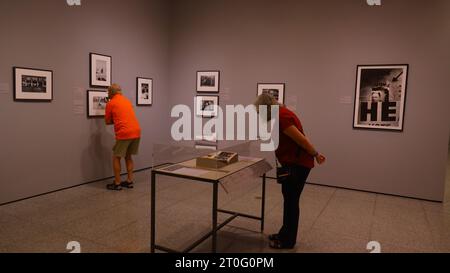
(130, 168)
(117, 170)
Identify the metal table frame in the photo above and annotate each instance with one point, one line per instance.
(215, 210)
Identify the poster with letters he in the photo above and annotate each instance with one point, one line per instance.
(380, 97)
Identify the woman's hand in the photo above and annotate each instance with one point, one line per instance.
(320, 159)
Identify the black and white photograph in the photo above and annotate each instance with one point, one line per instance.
(100, 70)
(96, 103)
(33, 84)
(207, 106)
(144, 92)
(380, 97)
(276, 90)
(208, 81)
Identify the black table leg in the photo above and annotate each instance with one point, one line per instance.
(153, 217)
(263, 205)
(214, 217)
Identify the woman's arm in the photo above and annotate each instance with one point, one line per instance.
(304, 142)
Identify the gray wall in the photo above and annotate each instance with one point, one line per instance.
(45, 146)
(314, 47)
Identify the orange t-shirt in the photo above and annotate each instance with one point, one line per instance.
(119, 110)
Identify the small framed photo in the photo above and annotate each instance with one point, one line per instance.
(380, 97)
(208, 81)
(207, 106)
(96, 103)
(33, 84)
(100, 70)
(144, 92)
(276, 90)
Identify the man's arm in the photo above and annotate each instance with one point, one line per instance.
(304, 142)
(108, 115)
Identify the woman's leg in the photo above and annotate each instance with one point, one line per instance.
(292, 190)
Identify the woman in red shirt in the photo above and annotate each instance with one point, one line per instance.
(296, 155)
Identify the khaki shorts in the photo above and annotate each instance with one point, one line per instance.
(124, 148)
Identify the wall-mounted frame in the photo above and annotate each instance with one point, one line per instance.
(380, 97)
(100, 67)
(277, 90)
(32, 84)
(207, 106)
(96, 103)
(144, 91)
(208, 81)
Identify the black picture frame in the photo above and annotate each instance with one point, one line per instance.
(200, 112)
(281, 87)
(138, 101)
(36, 96)
(92, 70)
(208, 89)
(391, 95)
(89, 103)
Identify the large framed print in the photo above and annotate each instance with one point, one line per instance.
(100, 70)
(208, 81)
(276, 90)
(144, 92)
(207, 106)
(96, 103)
(33, 84)
(380, 97)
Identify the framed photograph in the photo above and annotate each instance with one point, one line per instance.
(100, 70)
(276, 90)
(208, 81)
(380, 97)
(33, 84)
(96, 103)
(144, 92)
(207, 106)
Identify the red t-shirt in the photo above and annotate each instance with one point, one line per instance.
(120, 111)
(288, 151)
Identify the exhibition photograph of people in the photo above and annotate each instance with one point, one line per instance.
(225, 126)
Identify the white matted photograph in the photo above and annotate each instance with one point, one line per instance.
(96, 103)
(144, 92)
(207, 106)
(33, 84)
(276, 90)
(208, 81)
(100, 70)
(380, 97)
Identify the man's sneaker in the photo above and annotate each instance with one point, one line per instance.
(128, 185)
(114, 187)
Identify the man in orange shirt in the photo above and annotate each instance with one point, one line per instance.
(119, 111)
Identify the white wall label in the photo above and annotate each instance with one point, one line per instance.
(345, 100)
(4, 88)
(73, 2)
(78, 101)
(373, 2)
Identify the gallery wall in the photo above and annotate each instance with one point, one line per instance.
(49, 146)
(314, 47)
